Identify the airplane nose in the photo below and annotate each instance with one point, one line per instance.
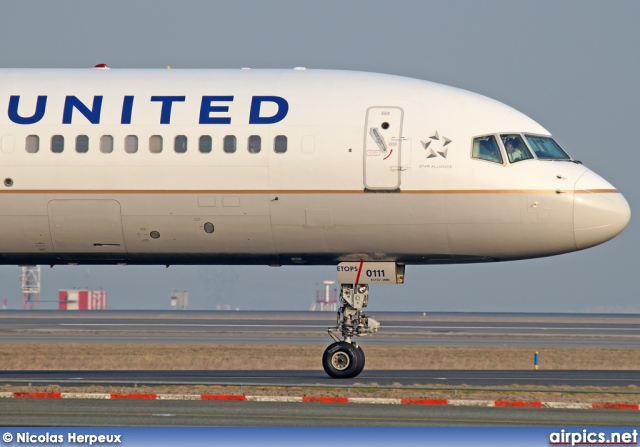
(600, 212)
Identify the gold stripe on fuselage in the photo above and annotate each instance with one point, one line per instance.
(300, 191)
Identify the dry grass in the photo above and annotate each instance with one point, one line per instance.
(242, 357)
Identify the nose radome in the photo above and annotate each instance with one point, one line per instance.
(600, 212)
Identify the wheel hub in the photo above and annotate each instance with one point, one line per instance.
(340, 361)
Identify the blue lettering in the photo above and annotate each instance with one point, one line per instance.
(37, 116)
(209, 107)
(167, 102)
(93, 114)
(127, 108)
(206, 109)
(256, 102)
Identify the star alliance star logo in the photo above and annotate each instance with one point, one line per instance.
(436, 145)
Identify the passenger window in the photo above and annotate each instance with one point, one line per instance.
(486, 148)
(82, 144)
(515, 147)
(57, 144)
(204, 144)
(32, 145)
(180, 144)
(155, 144)
(131, 144)
(280, 144)
(229, 144)
(254, 144)
(106, 144)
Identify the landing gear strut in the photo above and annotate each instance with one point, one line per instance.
(345, 359)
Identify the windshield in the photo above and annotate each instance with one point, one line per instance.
(546, 149)
(486, 148)
(515, 147)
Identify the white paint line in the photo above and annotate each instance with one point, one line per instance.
(530, 328)
(430, 328)
(567, 405)
(189, 325)
(471, 403)
(274, 398)
(374, 400)
(178, 397)
(85, 395)
(355, 400)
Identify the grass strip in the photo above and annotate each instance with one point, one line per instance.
(79, 356)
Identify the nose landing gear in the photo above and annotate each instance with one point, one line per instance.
(345, 359)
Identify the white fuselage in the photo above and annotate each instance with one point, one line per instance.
(340, 187)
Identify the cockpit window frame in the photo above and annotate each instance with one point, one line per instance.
(503, 151)
(496, 137)
(530, 134)
(523, 140)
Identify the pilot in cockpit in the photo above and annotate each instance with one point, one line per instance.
(514, 152)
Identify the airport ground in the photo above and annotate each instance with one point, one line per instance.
(476, 356)
(295, 340)
(24, 412)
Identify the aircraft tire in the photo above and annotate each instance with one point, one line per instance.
(361, 360)
(341, 360)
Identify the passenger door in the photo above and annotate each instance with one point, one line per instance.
(382, 148)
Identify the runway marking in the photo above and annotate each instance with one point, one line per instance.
(259, 380)
(568, 405)
(37, 395)
(374, 400)
(274, 399)
(518, 403)
(413, 401)
(225, 397)
(86, 396)
(587, 329)
(518, 328)
(324, 326)
(180, 397)
(330, 400)
(135, 396)
(326, 400)
(472, 403)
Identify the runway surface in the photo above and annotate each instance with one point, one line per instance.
(57, 412)
(483, 378)
(309, 328)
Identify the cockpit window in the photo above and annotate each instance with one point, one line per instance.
(546, 149)
(515, 147)
(486, 148)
